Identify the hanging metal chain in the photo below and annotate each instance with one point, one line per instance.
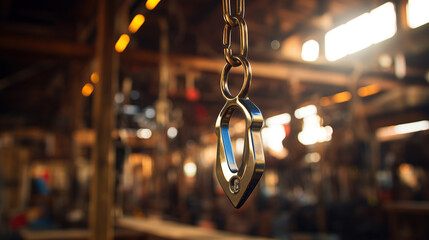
(238, 183)
(232, 21)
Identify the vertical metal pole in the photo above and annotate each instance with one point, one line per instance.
(102, 192)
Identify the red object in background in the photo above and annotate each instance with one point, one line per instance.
(201, 112)
(46, 176)
(192, 94)
(287, 129)
(18, 221)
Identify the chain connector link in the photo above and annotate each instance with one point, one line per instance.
(227, 13)
(246, 82)
(244, 41)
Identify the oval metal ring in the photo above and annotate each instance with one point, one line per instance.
(226, 8)
(246, 82)
(244, 41)
(238, 183)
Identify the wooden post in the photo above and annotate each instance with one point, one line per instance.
(102, 189)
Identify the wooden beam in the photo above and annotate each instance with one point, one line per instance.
(274, 70)
(101, 219)
(46, 46)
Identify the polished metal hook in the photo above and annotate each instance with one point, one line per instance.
(238, 183)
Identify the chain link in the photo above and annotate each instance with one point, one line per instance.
(233, 20)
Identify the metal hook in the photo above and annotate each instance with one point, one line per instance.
(238, 183)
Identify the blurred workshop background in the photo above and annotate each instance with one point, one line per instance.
(108, 108)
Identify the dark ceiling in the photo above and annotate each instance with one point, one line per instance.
(45, 46)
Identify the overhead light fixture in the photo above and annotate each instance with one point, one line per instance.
(346, 95)
(361, 32)
(368, 90)
(87, 89)
(151, 4)
(417, 13)
(136, 23)
(95, 78)
(342, 97)
(122, 43)
(310, 51)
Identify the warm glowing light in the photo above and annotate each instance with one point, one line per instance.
(146, 162)
(325, 101)
(149, 112)
(190, 169)
(312, 130)
(172, 132)
(392, 131)
(305, 111)
(275, 133)
(278, 119)
(346, 96)
(122, 43)
(342, 97)
(273, 137)
(95, 78)
(368, 90)
(144, 133)
(310, 51)
(417, 13)
(361, 32)
(408, 175)
(312, 157)
(239, 145)
(147, 166)
(335, 43)
(87, 89)
(136, 23)
(151, 4)
(383, 22)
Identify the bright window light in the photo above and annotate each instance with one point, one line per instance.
(278, 119)
(392, 131)
(336, 43)
(417, 13)
(310, 51)
(383, 22)
(357, 33)
(361, 32)
(275, 133)
(305, 111)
